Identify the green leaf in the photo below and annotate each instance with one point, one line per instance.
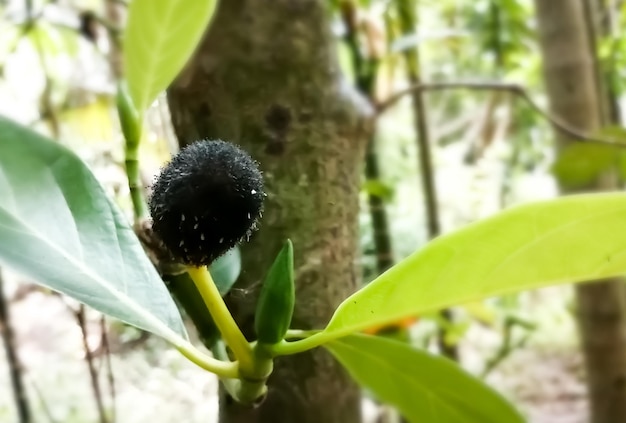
(579, 164)
(378, 188)
(226, 269)
(160, 37)
(277, 299)
(570, 239)
(423, 387)
(58, 227)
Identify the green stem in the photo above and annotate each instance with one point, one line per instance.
(220, 368)
(251, 388)
(295, 347)
(223, 319)
(134, 182)
(219, 351)
(131, 123)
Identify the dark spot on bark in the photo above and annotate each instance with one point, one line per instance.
(275, 147)
(305, 116)
(334, 231)
(204, 110)
(228, 399)
(278, 119)
(620, 382)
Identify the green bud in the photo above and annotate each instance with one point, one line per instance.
(276, 302)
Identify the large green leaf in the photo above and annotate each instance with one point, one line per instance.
(58, 227)
(160, 37)
(423, 387)
(569, 239)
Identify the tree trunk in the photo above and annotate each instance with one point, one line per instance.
(575, 98)
(266, 77)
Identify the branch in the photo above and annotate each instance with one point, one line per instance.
(89, 359)
(104, 341)
(15, 369)
(516, 89)
(44, 404)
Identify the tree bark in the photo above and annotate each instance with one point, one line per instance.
(574, 95)
(266, 78)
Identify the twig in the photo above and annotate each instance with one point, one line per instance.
(366, 67)
(507, 347)
(516, 89)
(408, 22)
(104, 341)
(43, 402)
(15, 368)
(89, 359)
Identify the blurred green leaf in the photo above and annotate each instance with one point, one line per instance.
(579, 164)
(160, 37)
(423, 387)
(481, 312)
(43, 37)
(569, 239)
(58, 227)
(226, 269)
(378, 189)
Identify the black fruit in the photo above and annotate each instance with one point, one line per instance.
(206, 200)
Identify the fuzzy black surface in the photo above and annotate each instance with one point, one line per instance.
(206, 200)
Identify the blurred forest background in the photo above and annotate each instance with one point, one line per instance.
(475, 137)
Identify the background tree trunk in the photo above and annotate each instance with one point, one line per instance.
(266, 78)
(570, 74)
